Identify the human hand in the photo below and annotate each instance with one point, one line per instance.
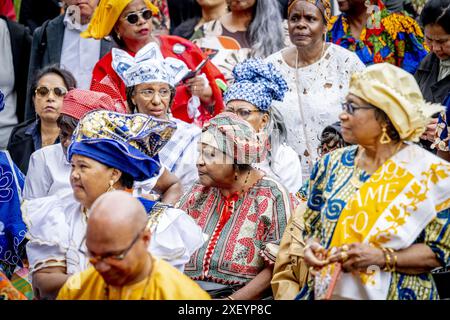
(358, 257)
(430, 132)
(199, 86)
(314, 256)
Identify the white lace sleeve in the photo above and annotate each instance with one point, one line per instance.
(48, 232)
(176, 238)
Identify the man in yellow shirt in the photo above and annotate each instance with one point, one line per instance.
(117, 239)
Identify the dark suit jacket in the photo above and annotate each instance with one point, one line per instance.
(46, 50)
(34, 13)
(20, 47)
(426, 76)
(21, 145)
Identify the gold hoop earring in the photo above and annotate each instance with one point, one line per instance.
(111, 186)
(385, 139)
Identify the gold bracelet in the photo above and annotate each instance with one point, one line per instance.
(394, 266)
(387, 259)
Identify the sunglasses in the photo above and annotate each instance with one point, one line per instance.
(44, 91)
(133, 17)
(350, 107)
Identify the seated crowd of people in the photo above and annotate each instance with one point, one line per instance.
(237, 150)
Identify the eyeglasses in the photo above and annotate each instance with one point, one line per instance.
(133, 17)
(241, 112)
(150, 93)
(350, 107)
(109, 257)
(45, 91)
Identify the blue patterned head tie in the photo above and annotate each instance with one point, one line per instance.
(128, 142)
(2, 100)
(256, 82)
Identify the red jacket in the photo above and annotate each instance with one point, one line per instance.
(192, 56)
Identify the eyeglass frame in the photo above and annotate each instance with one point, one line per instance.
(139, 14)
(351, 107)
(153, 95)
(236, 112)
(116, 257)
(50, 90)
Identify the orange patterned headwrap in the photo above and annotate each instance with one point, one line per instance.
(323, 5)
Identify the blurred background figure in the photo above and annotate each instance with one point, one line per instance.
(58, 42)
(251, 28)
(377, 35)
(34, 13)
(7, 9)
(47, 93)
(433, 75)
(182, 10)
(15, 45)
(211, 10)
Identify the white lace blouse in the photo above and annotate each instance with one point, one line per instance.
(323, 85)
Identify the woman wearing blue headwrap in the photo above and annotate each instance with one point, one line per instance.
(109, 151)
(257, 85)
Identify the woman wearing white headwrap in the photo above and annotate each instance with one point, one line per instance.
(151, 83)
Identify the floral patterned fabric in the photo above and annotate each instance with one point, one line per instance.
(244, 232)
(442, 137)
(330, 190)
(388, 37)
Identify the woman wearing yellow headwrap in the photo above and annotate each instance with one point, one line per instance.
(129, 23)
(379, 209)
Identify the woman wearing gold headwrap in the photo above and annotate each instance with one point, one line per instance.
(379, 209)
(317, 73)
(129, 23)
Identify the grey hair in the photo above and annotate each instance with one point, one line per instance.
(277, 132)
(266, 29)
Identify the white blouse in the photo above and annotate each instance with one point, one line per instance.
(284, 166)
(323, 85)
(57, 226)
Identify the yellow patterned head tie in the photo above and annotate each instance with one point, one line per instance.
(106, 15)
(323, 5)
(396, 92)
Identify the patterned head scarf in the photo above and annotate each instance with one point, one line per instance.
(106, 15)
(323, 5)
(78, 102)
(2, 100)
(256, 82)
(396, 92)
(126, 142)
(147, 66)
(234, 137)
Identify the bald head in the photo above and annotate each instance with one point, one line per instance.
(115, 215)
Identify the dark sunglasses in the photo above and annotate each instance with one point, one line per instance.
(133, 17)
(350, 107)
(44, 91)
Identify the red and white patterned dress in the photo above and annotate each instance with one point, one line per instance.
(244, 232)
